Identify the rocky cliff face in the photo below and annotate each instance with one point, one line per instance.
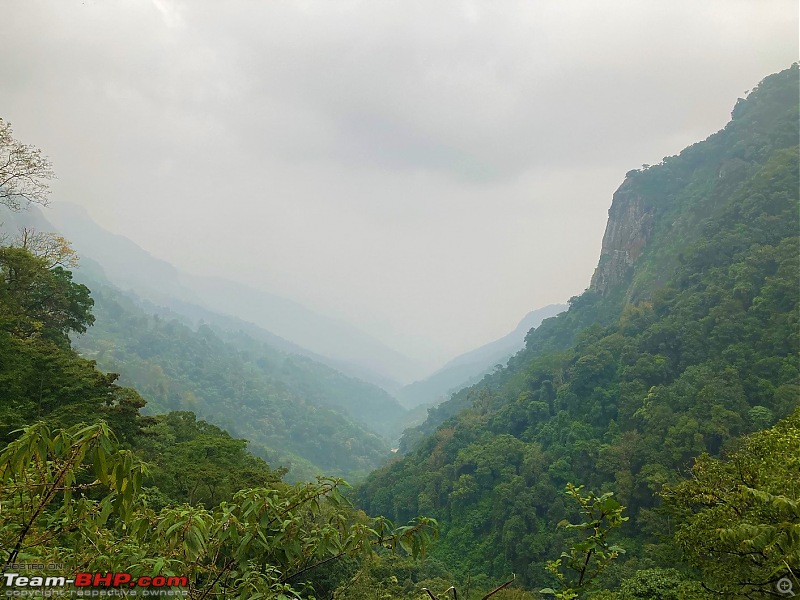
(628, 230)
(696, 184)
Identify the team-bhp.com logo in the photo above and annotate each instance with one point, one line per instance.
(16, 583)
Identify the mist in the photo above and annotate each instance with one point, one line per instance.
(429, 172)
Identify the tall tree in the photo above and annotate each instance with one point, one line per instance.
(39, 302)
(24, 172)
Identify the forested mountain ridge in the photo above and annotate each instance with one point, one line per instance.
(160, 351)
(667, 204)
(687, 338)
(293, 411)
(362, 402)
(656, 214)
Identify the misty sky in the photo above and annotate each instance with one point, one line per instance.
(429, 171)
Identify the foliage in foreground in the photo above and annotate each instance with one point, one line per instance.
(589, 556)
(72, 496)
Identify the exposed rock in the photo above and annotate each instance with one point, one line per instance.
(627, 233)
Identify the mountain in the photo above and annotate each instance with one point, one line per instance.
(158, 350)
(328, 339)
(470, 367)
(363, 402)
(686, 339)
(295, 413)
(347, 348)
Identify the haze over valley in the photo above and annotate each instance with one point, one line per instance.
(427, 174)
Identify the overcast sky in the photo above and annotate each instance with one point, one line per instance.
(429, 171)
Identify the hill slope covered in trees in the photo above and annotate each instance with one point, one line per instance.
(295, 412)
(687, 339)
(87, 481)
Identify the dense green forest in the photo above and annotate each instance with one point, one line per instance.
(645, 444)
(296, 412)
(692, 345)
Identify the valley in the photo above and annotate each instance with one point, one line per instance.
(641, 440)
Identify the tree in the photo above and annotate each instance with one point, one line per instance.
(54, 249)
(46, 485)
(24, 172)
(39, 302)
(739, 517)
(589, 556)
(659, 584)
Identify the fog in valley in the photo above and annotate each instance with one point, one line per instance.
(427, 173)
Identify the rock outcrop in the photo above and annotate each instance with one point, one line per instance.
(628, 230)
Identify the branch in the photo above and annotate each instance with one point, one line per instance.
(316, 494)
(214, 581)
(497, 589)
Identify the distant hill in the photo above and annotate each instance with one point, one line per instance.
(470, 367)
(362, 402)
(322, 338)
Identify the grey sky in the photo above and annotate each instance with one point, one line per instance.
(430, 171)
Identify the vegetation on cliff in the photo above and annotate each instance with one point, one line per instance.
(690, 347)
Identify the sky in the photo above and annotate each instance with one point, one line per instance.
(428, 171)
